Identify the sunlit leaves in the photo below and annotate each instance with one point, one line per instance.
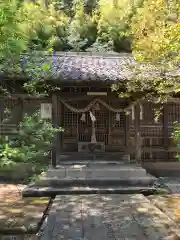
(114, 24)
(156, 30)
(156, 42)
(13, 40)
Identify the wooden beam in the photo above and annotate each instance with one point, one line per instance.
(137, 133)
(78, 95)
(55, 124)
(24, 96)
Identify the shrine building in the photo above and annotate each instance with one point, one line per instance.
(97, 123)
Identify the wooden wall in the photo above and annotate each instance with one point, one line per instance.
(144, 139)
(155, 137)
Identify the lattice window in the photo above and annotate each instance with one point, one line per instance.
(70, 124)
(102, 120)
(173, 113)
(148, 113)
(84, 128)
(70, 119)
(120, 123)
(102, 125)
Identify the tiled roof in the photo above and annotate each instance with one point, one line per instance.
(91, 67)
(76, 67)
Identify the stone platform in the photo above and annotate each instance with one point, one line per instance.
(92, 178)
(95, 174)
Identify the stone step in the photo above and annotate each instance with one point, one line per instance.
(92, 156)
(92, 162)
(34, 191)
(95, 172)
(96, 182)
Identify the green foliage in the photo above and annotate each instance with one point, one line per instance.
(53, 27)
(80, 25)
(16, 31)
(32, 143)
(7, 154)
(82, 29)
(114, 23)
(155, 30)
(46, 26)
(13, 40)
(152, 26)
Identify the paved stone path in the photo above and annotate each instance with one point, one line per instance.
(107, 217)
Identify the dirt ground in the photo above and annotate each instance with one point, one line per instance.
(169, 204)
(11, 191)
(17, 213)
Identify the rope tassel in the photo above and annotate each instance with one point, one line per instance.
(141, 112)
(83, 117)
(133, 113)
(93, 118)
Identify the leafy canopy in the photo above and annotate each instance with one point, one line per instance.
(156, 31)
(156, 41)
(13, 39)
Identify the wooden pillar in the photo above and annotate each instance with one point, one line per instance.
(165, 131)
(137, 134)
(54, 124)
(60, 122)
(126, 142)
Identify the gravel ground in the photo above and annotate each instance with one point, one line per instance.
(172, 184)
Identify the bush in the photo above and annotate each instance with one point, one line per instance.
(32, 144)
